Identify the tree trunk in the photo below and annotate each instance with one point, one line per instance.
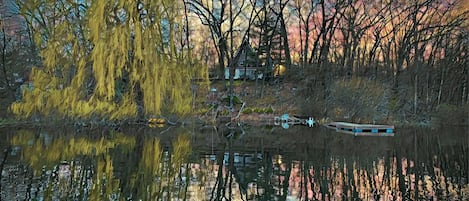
(415, 93)
(440, 88)
(465, 94)
(4, 62)
(283, 33)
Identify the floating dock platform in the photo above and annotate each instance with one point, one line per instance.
(362, 129)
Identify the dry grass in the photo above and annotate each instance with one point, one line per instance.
(277, 99)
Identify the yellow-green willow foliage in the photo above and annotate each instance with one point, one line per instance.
(115, 40)
(39, 154)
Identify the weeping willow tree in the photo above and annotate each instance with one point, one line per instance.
(108, 59)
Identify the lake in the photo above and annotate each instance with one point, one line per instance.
(243, 163)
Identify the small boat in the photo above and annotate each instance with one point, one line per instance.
(154, 122)
(362, 129)
(286, 120)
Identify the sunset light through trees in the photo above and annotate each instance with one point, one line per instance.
(122, 59)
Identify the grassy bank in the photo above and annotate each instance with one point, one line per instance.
(354, 100)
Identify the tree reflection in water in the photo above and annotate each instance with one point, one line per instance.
(146, 165)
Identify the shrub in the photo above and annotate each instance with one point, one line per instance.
(447, 114)
(249, 110)
(358, 99)
(269, 110)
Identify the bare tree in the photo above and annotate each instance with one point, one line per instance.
(216, 15)
(269, 34)
(4, 47)
(16, 54)
(304, 18)
(327, 25)
(283, 30)
(356, 21)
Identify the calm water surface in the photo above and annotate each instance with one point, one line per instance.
(249, 163)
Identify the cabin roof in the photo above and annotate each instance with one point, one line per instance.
(244, 49)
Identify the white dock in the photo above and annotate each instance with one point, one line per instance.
(362, 129)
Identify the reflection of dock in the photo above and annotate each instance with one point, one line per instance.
(362, 129)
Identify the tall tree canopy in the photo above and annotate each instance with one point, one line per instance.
(108, 59)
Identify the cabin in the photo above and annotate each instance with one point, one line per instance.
(247, 64)
(250, 73)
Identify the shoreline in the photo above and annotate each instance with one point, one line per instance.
(253, 119)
